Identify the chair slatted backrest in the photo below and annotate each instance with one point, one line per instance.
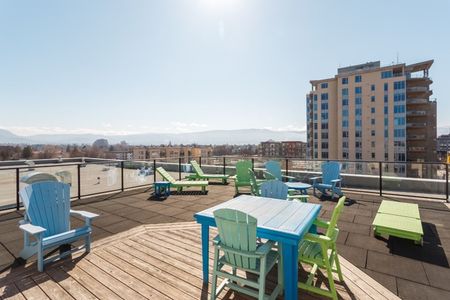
(165, 175)
(237, 230)
(197, 168)
(47, 204)
(274, 168)
(274, 189)
(242, 167)
(335, 217)
(253, 183)
(330, 171)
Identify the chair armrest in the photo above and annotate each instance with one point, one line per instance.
(315, 178)
(32, 229)
(288, 177)
(216, 240)
(322, 239)
(82, 213)
(297, 197)
(268, 175)
(265, 248)
(335, 180)
(321, 223)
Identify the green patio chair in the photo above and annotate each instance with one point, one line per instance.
(200, 175)
(242, 177)
(179, 185)
(255, 186)
(320, 252)
(235, 247)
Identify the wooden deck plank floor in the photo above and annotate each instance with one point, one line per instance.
(160, 261)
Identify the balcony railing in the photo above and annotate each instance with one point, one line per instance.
(89, 177)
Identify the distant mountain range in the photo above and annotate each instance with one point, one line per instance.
(214, 137)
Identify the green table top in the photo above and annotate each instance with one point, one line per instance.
(398, 223)
(399, 209)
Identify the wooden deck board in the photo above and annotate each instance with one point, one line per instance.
(149, 262)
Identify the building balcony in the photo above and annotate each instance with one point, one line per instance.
(416, 137)
(144, 247)
(417, 101)
(415, 89)
(416, 125)
(416, 113)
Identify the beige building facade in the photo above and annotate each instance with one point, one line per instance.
(372, 113)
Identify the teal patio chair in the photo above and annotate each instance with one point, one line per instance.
(236, 247)
(279, 190)
(330, 179)
(273, 171)
(320, 252)
(47, 219)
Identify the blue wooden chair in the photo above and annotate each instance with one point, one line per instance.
(279, 190)
(47, 218)
(273, 171)
(330, 179)
(237, 242)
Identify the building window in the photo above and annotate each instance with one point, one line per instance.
(399, 85)
(386, 74)
(345, 155)
(315, 117)
(358, 123)
(324, 106)
(386, 98)
(324, 96)
(358, 133)
(399, 109)
(345, 144)
(358, 112)
(315, 126)
(358, 90)
(373, 155)
(372, 98)
(315, 135)
(372, 87)
(358, 155)
(372, 121)
(344, 102)
(325, 155)
(372, 110)
(399, 97)
(386, 86)
(344, 123)
(386, 121)
(358, 78)
(345, 113)
(386, 156)
(315, 106)
(399, 121)
(324, 116)
(345, 134)
(372, 132)
(345, 80)
(315, 97)
(324, 136)
(399, 133)
(386, 110)
(358, 100)
(386, 133)
(357, 144)
(324, 126)
(324, 145)
(372, 144)
(324, 85)
(345, 92)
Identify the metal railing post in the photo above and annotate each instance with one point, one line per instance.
(121, 174)
(380, 183)
(446, 181)
(287, 169)
(179, 168)
(200, 161)
(17, 189)
(154, 170)
(224, 166)
(253, 164)
(79, 180)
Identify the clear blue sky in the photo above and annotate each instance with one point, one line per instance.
(188, 65)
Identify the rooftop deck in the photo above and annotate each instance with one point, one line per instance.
(140, 250)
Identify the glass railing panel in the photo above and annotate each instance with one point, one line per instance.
(212, 165)
(137, 173)
(101, 176)
(414, 179)
(170, 165)
(7, 188)
(361, 175)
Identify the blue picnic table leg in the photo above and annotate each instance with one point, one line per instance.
(205, 251)
(290, 270)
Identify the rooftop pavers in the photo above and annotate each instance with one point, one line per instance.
(410, 271)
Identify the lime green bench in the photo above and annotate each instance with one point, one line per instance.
(400, 220)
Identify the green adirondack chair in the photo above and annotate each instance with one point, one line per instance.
(255, 186)
(320, 251)
(236, 247)
(200, 175)
(179, 184)
(242, 177)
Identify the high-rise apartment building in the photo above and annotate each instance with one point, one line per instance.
(372, 113)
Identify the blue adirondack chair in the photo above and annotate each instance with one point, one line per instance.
(47, 218)
(273, 171)
(279, 190)
(330, 179)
